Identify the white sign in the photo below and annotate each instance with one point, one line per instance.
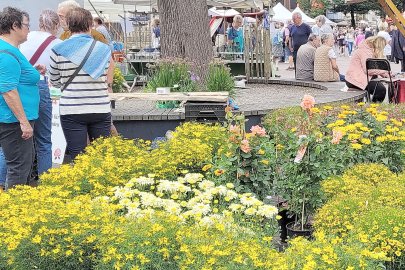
(58, 139)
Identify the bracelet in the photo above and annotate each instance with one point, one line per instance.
(109, 85)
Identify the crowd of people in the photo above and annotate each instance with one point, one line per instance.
(315, 51)
(78, 62)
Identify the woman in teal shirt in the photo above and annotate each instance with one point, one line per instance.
(19, 97)
(235, 34)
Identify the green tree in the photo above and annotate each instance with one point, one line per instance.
(363, 7)
(315, 7)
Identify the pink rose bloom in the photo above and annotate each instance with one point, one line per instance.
(337, 136)
(244, 146)
(234, 129)
(308, 102)
(259, 131)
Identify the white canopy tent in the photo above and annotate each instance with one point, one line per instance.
(281, 13)
(329, 22)
(214, 12)
(305, 17)
(236, 3)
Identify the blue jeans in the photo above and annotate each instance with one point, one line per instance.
(350, 47)
(3, 168)
(42, 129)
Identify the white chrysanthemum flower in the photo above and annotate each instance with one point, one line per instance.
(206, 196)
(211, 220)
(231, 194)
(206, 221)
(250, 211)
(132, 205)
(206, 184)
(149, 213)
(192, 202)
(119, 193)
(201, 208)
(193, 178)
(250, 201)
(172, 207)
(125, 202)
(133, 212)
(150, 200)
(266, 210)
(144, 181)
(222, 190)
(172, 186)
(234, 207)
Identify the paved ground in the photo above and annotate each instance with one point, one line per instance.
(256, 99)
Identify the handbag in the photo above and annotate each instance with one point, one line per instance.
(401, 92)
(41, 49)
(71, 78)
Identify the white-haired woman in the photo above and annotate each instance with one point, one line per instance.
(37, 50)
(235, 34)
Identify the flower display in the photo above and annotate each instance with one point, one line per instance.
(308, 102)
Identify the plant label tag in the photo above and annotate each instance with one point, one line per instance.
(301, 151)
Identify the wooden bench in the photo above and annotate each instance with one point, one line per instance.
(181, 96)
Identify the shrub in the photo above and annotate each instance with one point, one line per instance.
(172, 73)
(193, 199)
(118, 81)
(368, 208)
(46, 229)
(219, 78)
(114, 161)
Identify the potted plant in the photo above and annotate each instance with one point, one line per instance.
(307, 158)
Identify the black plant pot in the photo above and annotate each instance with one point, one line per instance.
(294, 230)
(282, 223)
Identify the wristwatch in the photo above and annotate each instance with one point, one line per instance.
(109, 85)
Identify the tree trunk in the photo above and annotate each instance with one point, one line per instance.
(353, 21)
(185, 32)
(171, 30)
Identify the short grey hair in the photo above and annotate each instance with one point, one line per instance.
(48, 20)
(238, 18)
(325, 37)
(321, 19)
(296, 14)
(312, 37)
(69, 4)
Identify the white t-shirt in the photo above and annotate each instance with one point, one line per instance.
(34, 40)
(332, 54)
(386, 35)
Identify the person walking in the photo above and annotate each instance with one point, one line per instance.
(82, 67)
(299, 34)
(19, 99)
(350, 41)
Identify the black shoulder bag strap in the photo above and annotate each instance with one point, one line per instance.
(69, 81)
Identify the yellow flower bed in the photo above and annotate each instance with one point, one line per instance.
(367, 206)
(113, 161)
